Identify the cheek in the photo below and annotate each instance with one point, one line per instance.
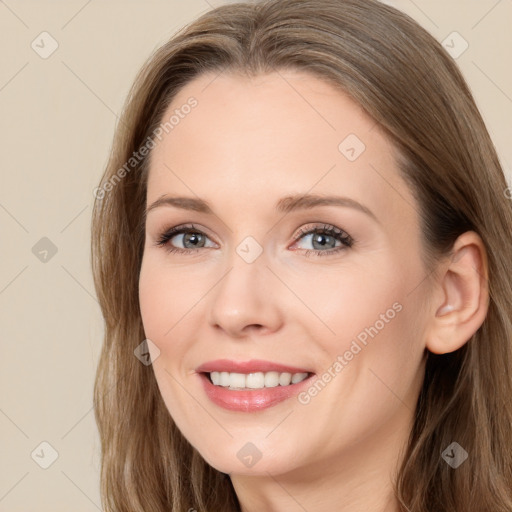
(374, 323)
(165, 296)
(346, 301)
(150, 300)
(161, 308)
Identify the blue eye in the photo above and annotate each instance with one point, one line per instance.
(189, 235)
(326, 236)
(322, 237)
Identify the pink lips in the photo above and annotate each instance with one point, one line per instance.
(254, 365)
(254, 399)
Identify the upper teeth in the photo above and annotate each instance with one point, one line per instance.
(257, 380)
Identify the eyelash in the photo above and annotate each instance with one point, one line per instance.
(346, 240)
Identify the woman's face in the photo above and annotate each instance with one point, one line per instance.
(255, 290)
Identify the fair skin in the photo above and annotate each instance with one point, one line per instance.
(247, 144)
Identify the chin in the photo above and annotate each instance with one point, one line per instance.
(247, 458)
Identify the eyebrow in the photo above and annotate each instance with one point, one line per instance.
(284, 205)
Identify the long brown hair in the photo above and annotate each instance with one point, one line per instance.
(406, 81)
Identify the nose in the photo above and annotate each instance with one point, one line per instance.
(247, 300)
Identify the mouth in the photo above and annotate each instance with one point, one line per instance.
(250, 386)
(254, 391)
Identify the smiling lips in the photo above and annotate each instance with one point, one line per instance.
(252, 385)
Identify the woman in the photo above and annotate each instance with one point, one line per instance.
(239, 371)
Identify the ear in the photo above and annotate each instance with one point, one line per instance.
(461, 299)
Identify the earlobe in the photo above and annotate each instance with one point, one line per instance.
(463, 296)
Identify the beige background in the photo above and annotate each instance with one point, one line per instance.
(57, 120)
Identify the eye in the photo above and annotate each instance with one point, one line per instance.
(191, 238)
(324, 237)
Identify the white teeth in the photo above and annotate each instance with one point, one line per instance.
(285, 379)
(271, 379)
(236, 380)
(254, 380)
(224, 379)
(257, 380)
(297, 377)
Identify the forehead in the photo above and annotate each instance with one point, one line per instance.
(255, 140)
